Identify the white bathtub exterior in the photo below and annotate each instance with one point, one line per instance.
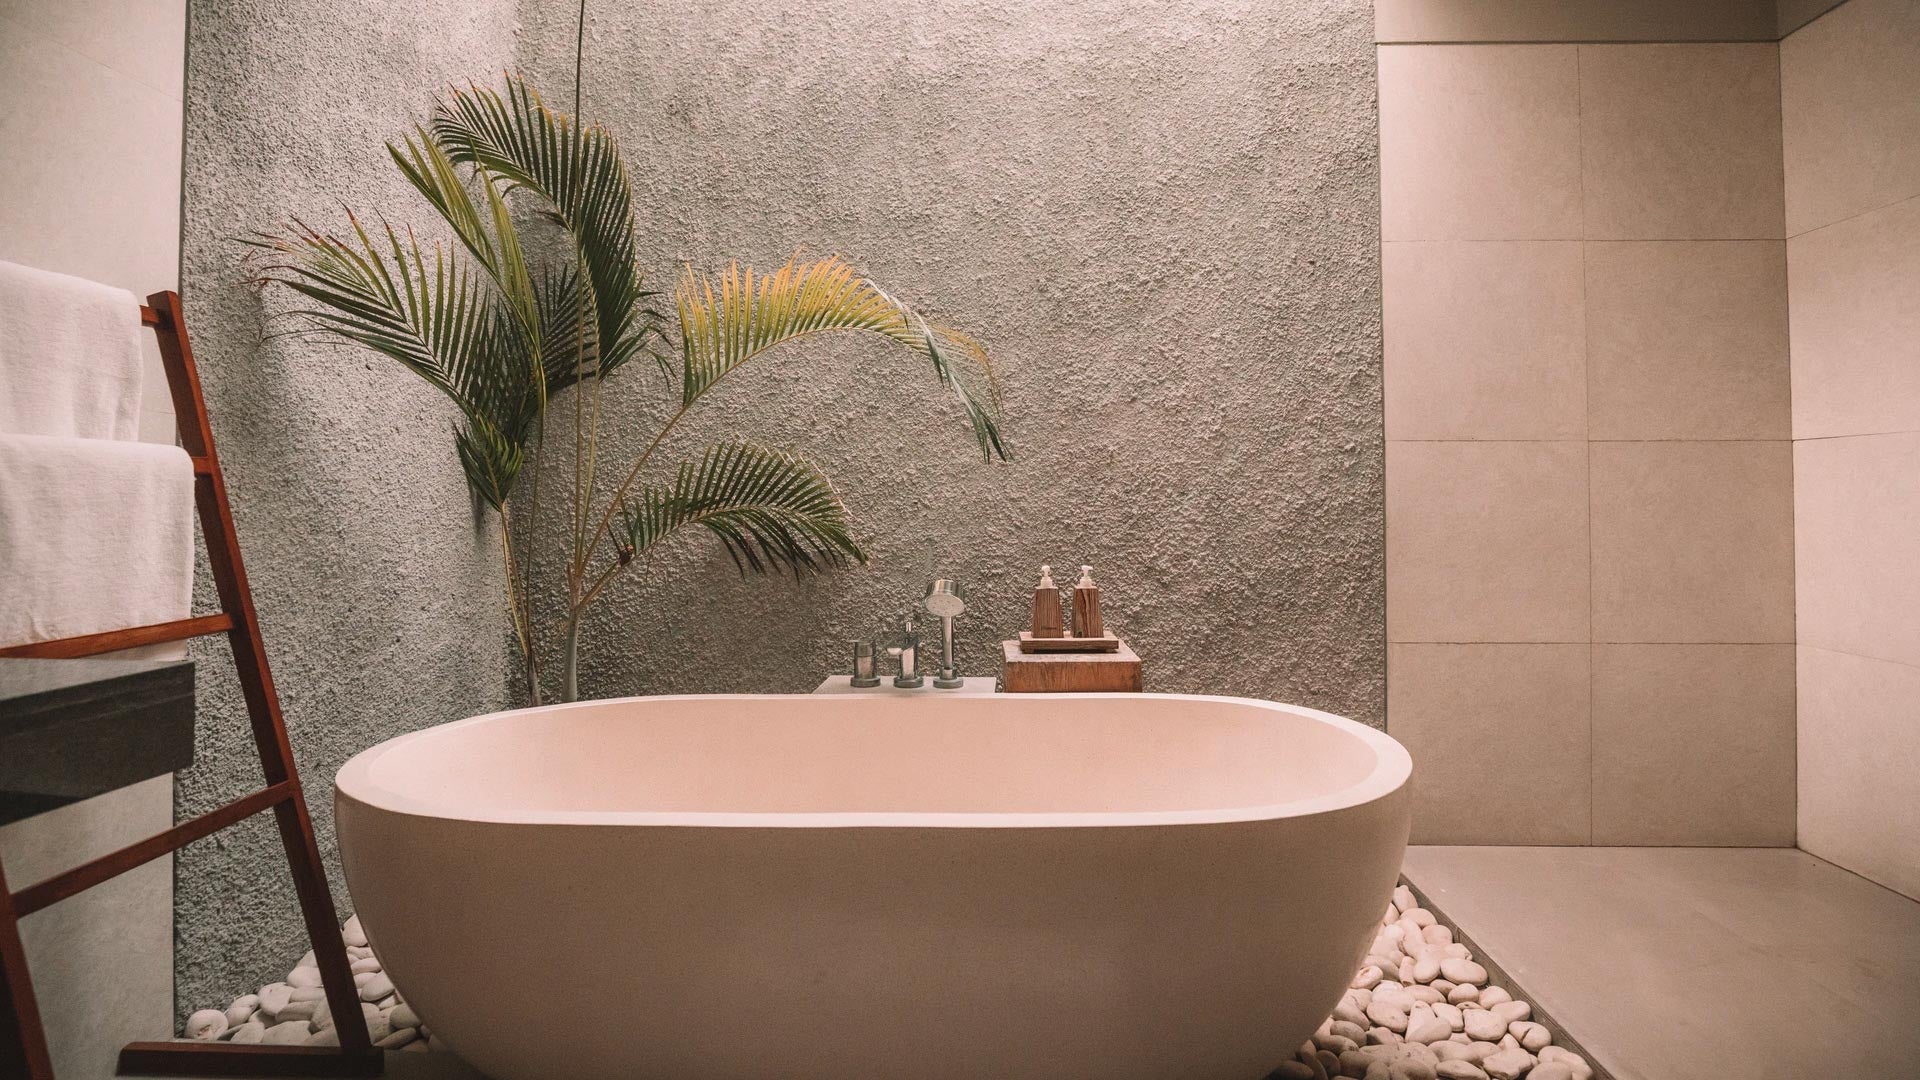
(1055, 887)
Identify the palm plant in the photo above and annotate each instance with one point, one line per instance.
(501, 338)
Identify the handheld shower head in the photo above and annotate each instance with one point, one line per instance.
(946, 599)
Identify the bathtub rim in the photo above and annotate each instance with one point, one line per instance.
(1391, 771)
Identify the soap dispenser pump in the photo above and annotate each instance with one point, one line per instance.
(1046, 607)
(1086, 606)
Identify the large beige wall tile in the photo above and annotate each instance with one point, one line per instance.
(1692, 542)
(1693, 744)
(1850, 109)
(1681, 142)
(1855, 293)
(1498, 735)
(1479, 142)
(1484, 340)
(1859, 734)
(144, 40)
(1534, 20)
(1687, 340)
(1794, 14)
(1487, 541)
(1857, 544)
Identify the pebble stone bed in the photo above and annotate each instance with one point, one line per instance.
(1419, 1008)
(295, 1012)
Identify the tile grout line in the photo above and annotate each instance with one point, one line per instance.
(1816, 648)
(1818, 438)
(1839, 221)
(1586, 374)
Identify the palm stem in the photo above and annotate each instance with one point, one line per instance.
(516, 609)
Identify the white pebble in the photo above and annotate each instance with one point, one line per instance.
(1552, 1070)
(207, 1024)
(1511, 1011)
(1494, 995)
(1532, 1036)
(1508, 1064)
(288, 1034)
(1387, 1015)
(1463, 971)
(1294, 1070)
(362, 966)
(241, 1009)
(302, 977)
(247, 1033)
(1366, 978)
(1458, 1069)
(398, 1038)
(324, 1037)
(1483, 1026)
(1403, 897)
(376, 988)
(1425, 1026)
(1425, 993)
(353, 934)
(1581, 1070)
(274, 997)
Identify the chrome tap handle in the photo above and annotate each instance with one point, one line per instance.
(909, 653)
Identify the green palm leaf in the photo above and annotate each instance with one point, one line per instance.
(727, 320)
(430, 313)
(771, 511)
(578, 172)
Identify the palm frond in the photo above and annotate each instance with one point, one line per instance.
(577, 171)
(429, 312)
(493, 240)
(729, 319)
(770, 510)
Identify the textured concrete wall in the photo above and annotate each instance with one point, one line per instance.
(1164, 225)
(378, 594)
(1163, 221)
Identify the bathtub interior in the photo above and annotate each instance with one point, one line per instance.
(800, 755)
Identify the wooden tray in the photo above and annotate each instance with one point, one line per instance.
(1104, 643)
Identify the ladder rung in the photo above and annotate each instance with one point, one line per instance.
(112, 865)
(95, 644)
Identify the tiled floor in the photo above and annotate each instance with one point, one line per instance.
(1669, 963)
(1676, 963)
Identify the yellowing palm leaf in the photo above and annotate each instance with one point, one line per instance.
(728, 319)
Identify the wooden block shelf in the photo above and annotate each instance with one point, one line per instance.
(1069, 672)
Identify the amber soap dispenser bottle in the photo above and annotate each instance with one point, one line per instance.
(1086, 606)
(1046, 607)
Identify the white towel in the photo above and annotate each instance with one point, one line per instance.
(95, 535)
(69, 356)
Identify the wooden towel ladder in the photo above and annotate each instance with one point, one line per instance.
(23, 1044)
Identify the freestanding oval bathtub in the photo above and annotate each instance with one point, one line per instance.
(1054, 887)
